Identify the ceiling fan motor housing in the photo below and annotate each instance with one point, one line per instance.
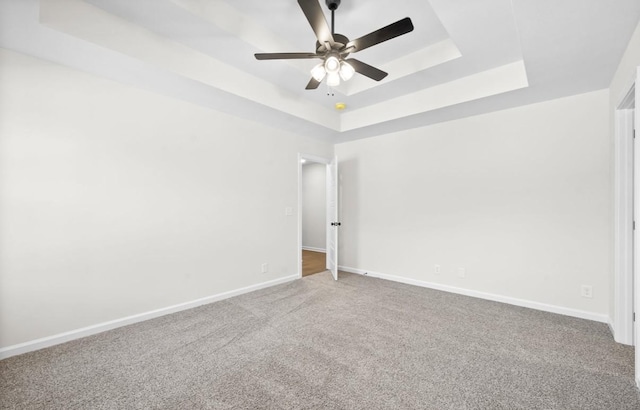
(340, 41)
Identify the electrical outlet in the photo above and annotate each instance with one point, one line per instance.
(265, 267)
(462, 272)
(587, 291)
(436, 269)
(288, 211)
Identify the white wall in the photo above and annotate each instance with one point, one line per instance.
(519, 198)
(115, 201)
(314, 198)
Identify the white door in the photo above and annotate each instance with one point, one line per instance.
(636, 239)
(332, 217)
(636, 247)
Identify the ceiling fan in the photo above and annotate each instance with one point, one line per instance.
(333, 48)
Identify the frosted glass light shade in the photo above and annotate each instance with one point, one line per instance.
(332, 64)
(333, 79)
(318, 72)
(346, 71)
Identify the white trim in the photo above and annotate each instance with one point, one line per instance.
(312, 249)
(48, 341)
(483, 295)
(624, 94)
(623, 225)
(299, 241)
(623, 261)
(610, 324)
(315, 158)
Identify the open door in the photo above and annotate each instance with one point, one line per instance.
(636, 270)
(332, 217)
(635, 179)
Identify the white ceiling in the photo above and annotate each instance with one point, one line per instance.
(464, 57)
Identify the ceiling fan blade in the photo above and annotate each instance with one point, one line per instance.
(313, 11)
(285, 56)
(313, 84)
(393, 30)
(366, 69)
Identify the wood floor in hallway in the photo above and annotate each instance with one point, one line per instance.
(313, 262)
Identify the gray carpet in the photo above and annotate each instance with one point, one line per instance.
(360, 343)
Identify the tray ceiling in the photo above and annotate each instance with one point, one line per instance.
(464, 57)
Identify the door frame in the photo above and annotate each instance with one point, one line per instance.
(623, 325)
(327, 163)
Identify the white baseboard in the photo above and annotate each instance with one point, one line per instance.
(48, 341)
(311, 248)
(612, 330)
(483, 295)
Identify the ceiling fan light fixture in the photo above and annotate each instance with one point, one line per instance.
(346, 71)
(318, 72)
(332, 65)
(332, 47)
(333, 79)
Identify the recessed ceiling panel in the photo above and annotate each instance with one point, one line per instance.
(464, 56)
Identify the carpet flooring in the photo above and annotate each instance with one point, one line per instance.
(359, 343)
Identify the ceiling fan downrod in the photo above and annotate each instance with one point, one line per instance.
(333, 6)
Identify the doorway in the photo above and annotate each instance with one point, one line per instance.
(627, 216)
(314, 214)
(330, 220)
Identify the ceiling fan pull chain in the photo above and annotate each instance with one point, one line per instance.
(329, 91)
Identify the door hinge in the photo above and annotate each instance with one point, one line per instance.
(634, 225)
(634, 316)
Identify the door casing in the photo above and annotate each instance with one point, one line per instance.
(327, 162)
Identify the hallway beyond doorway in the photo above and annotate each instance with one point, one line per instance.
(313, 262)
